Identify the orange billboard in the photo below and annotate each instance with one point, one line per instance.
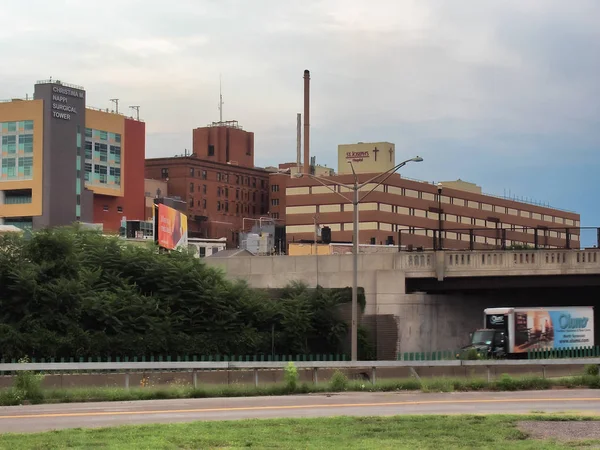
(172, 228)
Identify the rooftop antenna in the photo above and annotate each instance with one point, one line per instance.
(116, 102)
(137, 111)
(220, 101)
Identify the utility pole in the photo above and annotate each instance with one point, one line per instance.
(137, 111)
(116, 102)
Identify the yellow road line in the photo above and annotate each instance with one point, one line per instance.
(284, 407)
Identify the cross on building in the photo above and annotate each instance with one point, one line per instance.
(391, 153)
(375, 151)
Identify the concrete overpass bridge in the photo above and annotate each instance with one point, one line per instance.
(426, 301)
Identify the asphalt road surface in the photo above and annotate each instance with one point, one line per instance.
(21, 419)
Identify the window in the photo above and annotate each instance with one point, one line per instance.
(117, 138)
(105, 208)
(202, 251)
(218, 191)
(227, 192)
(253, 210)
(237, 194)
(101, 149)
(9, 144)
(218, 206)
(26, 143)
(237, 179)
(253, 182)
(12, 126)
(204, 189)
(115, 153)
(275, 202)
(254, 196)
(204, 174)
(25, 166)
(262, 184)
(226, 177)
(226, 206)
(164, 173)
(88, 171)
(211, 150)
(88, 150)
(103, 135)
(192, 188)
(274, 188)
(237, 208)
(191, 171)
(204, 203)
(218, 176)
(119, 209)
(191, 202)
(275, 215)
(28, 125)
(115, 172)
(102, 172)
(9, 167)
(88, 132)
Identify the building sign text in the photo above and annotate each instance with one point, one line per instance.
(60, 102)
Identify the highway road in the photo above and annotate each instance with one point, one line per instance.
(33, 418)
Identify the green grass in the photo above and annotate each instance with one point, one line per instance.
(9, 397)
(400, 432)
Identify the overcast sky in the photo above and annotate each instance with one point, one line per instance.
(502, 93)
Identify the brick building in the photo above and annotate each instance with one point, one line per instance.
(218, 182)
(412, 209)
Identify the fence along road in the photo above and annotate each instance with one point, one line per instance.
(197, 366)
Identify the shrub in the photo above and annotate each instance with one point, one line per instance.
(28, 385)
(291, 376)
(592, 369)
(471, 355)
(338, 382)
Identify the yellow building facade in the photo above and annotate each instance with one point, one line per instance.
(374, 157)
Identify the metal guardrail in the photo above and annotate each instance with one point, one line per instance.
(195, 366)
(270, 365)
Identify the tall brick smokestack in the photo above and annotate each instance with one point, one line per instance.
(306, 122)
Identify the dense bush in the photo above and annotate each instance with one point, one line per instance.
(72, 293)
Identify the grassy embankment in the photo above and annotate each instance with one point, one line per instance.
(28, 390)
(401, 432)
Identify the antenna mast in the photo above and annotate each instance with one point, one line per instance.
(116, 102)
(137, 111)
(220, 101)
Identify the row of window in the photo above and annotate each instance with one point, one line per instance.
(223, 177)
(102, 174)
(17, 168)
(434, 197)
(22, 142)
(107, 209)
(16, 126)
(101, 151)
(92, 134)
(404, 229)
(224, 191)
(223, 206)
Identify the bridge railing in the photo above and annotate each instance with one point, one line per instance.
(498, 236)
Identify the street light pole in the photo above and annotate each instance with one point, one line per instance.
(356, 199)
(440, 242)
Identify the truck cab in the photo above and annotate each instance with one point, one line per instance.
(488, 342)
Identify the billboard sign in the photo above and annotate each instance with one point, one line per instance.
(567, 327)
(172, 228)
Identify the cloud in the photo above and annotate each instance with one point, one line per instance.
(481, 89)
